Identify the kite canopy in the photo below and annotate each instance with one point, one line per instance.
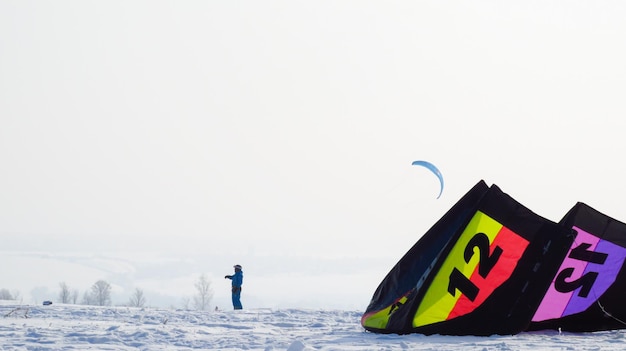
(492, 266)
(588, 291)
(433, 169)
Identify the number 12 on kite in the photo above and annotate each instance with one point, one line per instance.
(475, 267)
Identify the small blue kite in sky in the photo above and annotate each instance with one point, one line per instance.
(433, 169)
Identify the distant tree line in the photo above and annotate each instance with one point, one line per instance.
(5, 294)
(100, 295)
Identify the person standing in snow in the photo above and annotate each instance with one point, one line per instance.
(237, 281)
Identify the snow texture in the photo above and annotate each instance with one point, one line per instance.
(77, 327)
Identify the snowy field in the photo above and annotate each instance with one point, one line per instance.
(77, 327)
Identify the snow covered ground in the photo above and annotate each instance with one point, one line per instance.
(77, 327)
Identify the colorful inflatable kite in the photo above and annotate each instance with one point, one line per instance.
(492, 266)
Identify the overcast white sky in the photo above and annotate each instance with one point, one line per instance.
(278, 134)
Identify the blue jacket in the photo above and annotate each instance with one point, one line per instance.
(237, 279)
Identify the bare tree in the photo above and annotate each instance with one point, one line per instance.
(5, 294)
(203, 298)
(74, 297)
(137, 300)
(87, 298)
(101, 293)
(64, 295)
